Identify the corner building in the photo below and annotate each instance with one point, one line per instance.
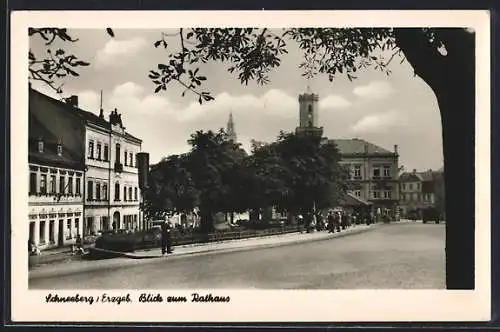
(112, 188)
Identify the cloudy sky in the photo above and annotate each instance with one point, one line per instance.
(385, 110)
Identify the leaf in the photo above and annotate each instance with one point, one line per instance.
(158, 88)
(110, 32)
(157, 43)
(201, 78)
(200, 100)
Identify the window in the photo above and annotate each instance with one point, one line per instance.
(415, 196)
(105, 191)
(131, 160)
(124, 193)
(376, 194)
(357, 171)
(61, 185)
(90, 190)
(117, 191)
(77, 225)
(357, 193)
(387, 171)
(125, 157)
(69, 229)
(78, 185)
(91, 150)
(59, 149)
(98, 191)
(98, 151)
(404, 186)
(117, 159)
(136, 164)
(387, 194)
(42, 232)
(376, 172)
(52, 184)
(70, 185)
(135, 193)
(43, 184)
(309, 109)
(40, 146)
(32, 183)
(106, 152)
(129, 193)
(418, 186)
(410, 186)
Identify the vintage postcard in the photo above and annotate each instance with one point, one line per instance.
(252, 166)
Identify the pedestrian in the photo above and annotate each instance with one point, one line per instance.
(164, 237)
(331, 222)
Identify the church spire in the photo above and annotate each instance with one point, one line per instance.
(231, 133)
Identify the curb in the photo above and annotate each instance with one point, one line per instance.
(130, 260)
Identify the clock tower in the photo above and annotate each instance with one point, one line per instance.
(308, 114)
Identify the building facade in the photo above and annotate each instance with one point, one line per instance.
(373, 173)
(109, 186)
(373, 169)
(112, 194)
(56, 168)
(419, 191)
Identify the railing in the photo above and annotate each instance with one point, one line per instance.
(183, 239)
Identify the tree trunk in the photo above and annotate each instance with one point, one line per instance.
(452, 78)
(207, 221)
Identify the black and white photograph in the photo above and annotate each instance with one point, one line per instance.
(234, 161)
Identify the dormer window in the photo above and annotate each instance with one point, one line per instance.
(40, 145)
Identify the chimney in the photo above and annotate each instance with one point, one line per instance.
(366, 148)
(395, 148)
(101, 114)
(40, 145)
(72, 100)
(59, 147)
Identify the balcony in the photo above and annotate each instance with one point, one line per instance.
(118, 167)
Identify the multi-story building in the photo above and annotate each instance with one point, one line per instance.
(373, 169)
(112, 189)
(107, 153)
(56, 168)
(420, 190)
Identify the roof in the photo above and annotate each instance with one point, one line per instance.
(351, 200)
(426, 176)
(41, 99)
(410, 176)
(356, 146)
(50, 120)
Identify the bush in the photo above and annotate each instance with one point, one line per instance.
(126, 242)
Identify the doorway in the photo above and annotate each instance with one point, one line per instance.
(116, 220)
(60, 234)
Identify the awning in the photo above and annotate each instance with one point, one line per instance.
(351, 200)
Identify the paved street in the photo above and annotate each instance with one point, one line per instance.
(400, 255)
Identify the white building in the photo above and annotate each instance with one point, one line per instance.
(112, 193)
(56, 172)
(97, 154)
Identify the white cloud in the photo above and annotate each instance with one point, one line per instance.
(127, 89)
(374, 90)
(334, 102)
(380, 122)
(117, 52)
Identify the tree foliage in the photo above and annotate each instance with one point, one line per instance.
(56, 64)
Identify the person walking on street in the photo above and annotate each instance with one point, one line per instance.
(331, 222)
(166, 239)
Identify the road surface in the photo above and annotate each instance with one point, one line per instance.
(393, 256)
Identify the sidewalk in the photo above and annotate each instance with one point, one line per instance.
(153, 255)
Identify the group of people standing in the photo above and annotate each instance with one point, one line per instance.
(335, 221)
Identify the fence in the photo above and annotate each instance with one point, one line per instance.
(192, 238)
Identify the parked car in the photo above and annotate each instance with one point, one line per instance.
(412, 215)
(430, 214)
